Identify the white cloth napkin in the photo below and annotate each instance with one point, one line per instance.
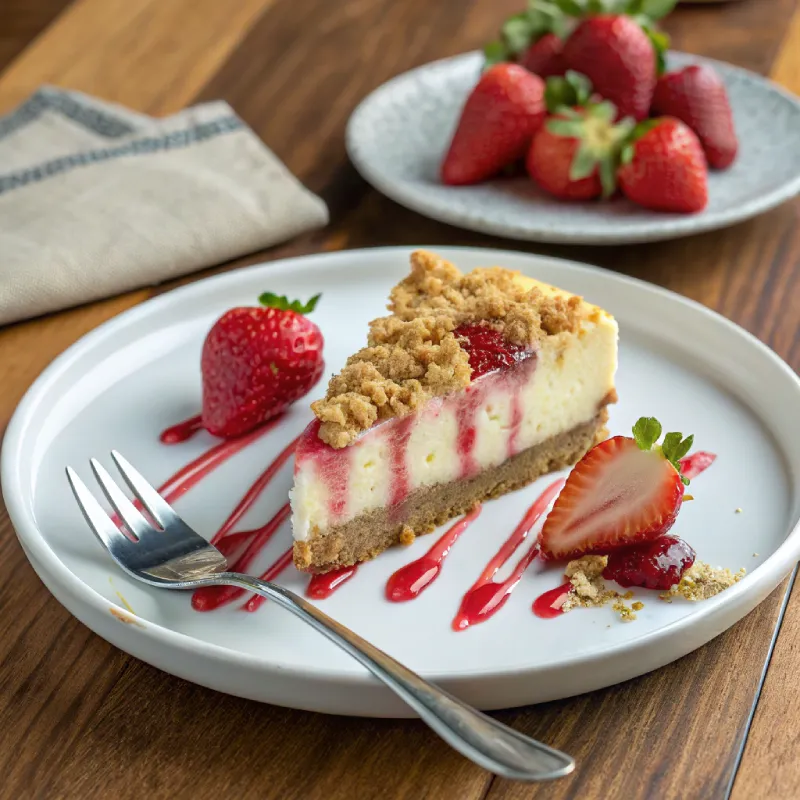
(96, 199)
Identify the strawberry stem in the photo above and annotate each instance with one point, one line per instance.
(282, 303)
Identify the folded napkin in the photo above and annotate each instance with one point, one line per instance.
(96, 199)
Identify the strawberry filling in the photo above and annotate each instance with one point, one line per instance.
(659, 564)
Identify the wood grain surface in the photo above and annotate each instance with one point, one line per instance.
(79, 718)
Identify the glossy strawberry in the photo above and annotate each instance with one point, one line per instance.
(497, 123)
(697, 96)
(618, 58)
(622, 492)
(658, 564)
(664, 168)
(257, 361)
(544, 57)
(574, 155)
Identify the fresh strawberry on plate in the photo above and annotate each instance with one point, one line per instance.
(497, 123)
(697, 96)
(664, 168)
(544, 57)
(257, 361)
(533, 38)
(624, 491)
(618, 57)
(574, 155)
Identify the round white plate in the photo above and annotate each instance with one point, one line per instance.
(398, 136)
(130, 378)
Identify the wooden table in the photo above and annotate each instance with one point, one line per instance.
(79, 718)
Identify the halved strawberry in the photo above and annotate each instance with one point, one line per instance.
(623, 491)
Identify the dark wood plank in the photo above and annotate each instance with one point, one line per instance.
(179, 740)
(742, 32)
(769, 769)
(55, 674)
(21, 21)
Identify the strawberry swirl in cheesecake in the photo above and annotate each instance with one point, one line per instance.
(474, 386)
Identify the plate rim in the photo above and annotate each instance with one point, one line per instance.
(672, 227)
(42, 556)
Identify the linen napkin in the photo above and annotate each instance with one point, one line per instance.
(96, 199)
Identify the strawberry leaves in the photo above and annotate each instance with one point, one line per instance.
(282, 303)
(521, 30)
(560, 17)
(600, 141)
(647, 431)
(566, 91)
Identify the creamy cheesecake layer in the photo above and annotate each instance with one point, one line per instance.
(559, 387)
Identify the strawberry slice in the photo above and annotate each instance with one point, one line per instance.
(623, 491)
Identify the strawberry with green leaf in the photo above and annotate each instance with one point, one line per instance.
(663, 167)
(618, 46)
(624, 491)
(697, 96)
(533, 38)
(574, 156)
(257, 361)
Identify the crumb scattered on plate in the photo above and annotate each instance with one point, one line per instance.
(702, 581)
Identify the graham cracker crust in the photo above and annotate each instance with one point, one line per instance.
(368, 535)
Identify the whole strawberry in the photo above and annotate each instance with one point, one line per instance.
(664, 168)
(574, 155)
(624, 491)
(618, 58)
(257, 361)
(533, 38)
(697, 96)
(497, 123)
(544, 57)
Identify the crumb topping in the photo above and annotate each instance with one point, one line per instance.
(414, 355)
(407, 536)
(588, 587)
(626, 613)
(702, 581)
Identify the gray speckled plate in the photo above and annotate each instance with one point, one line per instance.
(398, 135)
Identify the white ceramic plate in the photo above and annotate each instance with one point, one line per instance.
(398, 135)
(124, 382)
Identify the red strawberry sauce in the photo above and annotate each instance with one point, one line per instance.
(409, 581)
(486, 597)
(325, 584)
(183, 430)
(548, 605)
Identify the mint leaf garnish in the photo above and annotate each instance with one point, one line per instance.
(282, 303)
(674, 448)
(646, 432)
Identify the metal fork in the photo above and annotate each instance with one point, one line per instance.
(176, 557)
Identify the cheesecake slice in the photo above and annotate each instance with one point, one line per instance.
(474, 386)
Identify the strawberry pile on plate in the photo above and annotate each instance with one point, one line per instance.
(577, 92)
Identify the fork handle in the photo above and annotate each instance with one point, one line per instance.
(480, 738)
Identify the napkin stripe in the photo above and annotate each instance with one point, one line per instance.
(144, 146)
(64, 103)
